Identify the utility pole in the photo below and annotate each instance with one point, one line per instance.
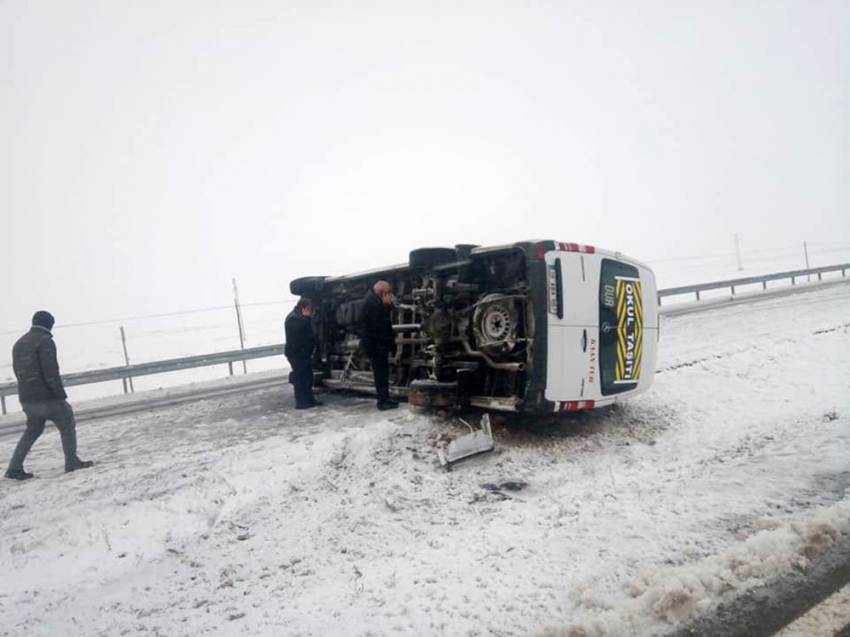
(806, 252)
(126, 362)
(738, 252)
(239, 324)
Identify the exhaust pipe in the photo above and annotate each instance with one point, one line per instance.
(512, 367)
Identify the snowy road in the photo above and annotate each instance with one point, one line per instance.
(240, 516)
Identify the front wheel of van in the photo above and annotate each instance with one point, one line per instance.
(432, 393)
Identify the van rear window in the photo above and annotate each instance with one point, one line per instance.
(620, 327)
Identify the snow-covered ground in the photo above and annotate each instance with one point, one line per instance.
(240, 516)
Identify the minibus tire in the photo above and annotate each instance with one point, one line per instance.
(433, 386)
(306, 286)
(432, 393)
(463, 250)
(427, 258)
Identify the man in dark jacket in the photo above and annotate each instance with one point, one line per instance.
(300, 343)
(42, 396)
(379, 339)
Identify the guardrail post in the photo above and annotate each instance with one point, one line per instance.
(230, 367)
(793, 282)
(764, 285)
(697, 295)
(3, 403)
(124, 383)
(733, 290)
(819, 276)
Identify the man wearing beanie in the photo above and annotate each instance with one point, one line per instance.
(42, 396)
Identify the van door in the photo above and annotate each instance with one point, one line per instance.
(573, 326)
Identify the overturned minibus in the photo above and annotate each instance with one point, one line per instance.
(533, 326)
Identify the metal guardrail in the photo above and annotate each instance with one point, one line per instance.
(127, 372)
(751, 280)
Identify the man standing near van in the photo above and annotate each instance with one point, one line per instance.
(379, 339)
(42, 396)
(298, 349)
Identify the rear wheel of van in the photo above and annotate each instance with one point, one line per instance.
(427, 258)
(306, 286)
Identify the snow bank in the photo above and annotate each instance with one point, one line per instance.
(681, 594)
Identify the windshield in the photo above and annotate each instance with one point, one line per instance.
(620, 326)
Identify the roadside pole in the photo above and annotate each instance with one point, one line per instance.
(126, 362)
(239, 324)
(738, 252)
(806, 252)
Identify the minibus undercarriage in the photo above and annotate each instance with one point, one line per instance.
(464, 321)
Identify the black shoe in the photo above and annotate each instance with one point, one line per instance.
(317, 403)
(387, 404)
(14, 474)
(80, 464)
(308, 406)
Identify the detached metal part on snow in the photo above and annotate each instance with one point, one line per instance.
(472, 444)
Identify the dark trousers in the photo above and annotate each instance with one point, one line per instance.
(60, 413)
(302, 380)
(381, 371)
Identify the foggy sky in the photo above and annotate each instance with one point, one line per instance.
(151, 151)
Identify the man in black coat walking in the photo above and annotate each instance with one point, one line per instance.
(300, 343)
(379, 339)
(42, 396)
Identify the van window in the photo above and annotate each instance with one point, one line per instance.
(620, 327)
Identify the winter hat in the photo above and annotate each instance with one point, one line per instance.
(43, 319)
